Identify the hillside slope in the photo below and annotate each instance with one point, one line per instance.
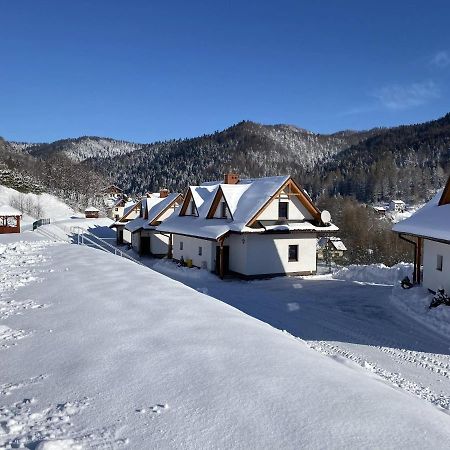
(169, 367)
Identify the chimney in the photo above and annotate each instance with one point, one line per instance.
(231, 178)
(163, 193)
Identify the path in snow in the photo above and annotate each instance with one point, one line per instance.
(341, 319)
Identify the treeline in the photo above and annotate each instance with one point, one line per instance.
(56, 174)
(408, 162)
(369, 239)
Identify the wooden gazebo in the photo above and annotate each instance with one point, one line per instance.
(9, 219)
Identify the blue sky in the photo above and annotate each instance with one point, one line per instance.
(153, 70)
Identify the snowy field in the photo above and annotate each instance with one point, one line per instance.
(99, 352)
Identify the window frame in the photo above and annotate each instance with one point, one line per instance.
(200, 250)
(296, 252)
(223, 210)
(285, 204)
(181, 245)
(439, 262)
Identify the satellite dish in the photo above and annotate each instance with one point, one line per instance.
(325, 217)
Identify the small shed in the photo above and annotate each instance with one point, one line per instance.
(91, 212)
(397, 206)
(9, 219)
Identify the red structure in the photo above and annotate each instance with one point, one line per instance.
(9, 219)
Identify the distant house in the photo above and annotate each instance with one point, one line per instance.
(112, 191)
(397, 206)
(91, 212)
(250, 227)
(117, 210)
(330, 247)
(130, 213)
(155, 208)
(9, 219)
(428, 230)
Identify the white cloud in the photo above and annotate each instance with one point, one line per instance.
(398, 96)
(441, 59)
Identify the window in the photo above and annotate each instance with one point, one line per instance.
(223, 210)
(181, 245)
(293, 253)
(117, 209)
(283, 210)
(439, 262)
(200, 251)
(192, 208)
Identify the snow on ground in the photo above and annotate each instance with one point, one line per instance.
(346, 320)
(374, 273)
(52, 207)
(119, 355)
(415, 302)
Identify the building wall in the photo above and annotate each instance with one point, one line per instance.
(159, 244)
(296, 210)
(432, 278)
(268, 254)
(190, 251)
(238, 253)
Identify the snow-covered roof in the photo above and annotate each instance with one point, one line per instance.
(379, 208)
(432, 221)
(155, 207)
(7, 210)
(244, 199)
(91, 209)
(398, 202)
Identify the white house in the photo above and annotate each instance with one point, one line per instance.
(428, 229)
(397, 206)
(154, 209)
(130, 213)
(117, 210)
(252, 228)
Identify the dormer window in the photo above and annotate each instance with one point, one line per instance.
(283, 208)
(223, 210)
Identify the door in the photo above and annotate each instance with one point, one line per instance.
(144, 248)
(225, 259)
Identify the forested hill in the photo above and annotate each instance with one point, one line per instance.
(409, 162)
(248, 148)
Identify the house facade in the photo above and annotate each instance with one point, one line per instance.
(130, 213)
(397, 206)
(428, 231)
(251, 228)
(117, 210)
(154, 209)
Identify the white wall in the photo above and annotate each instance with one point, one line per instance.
(432, 278)
(159, 244)
(126, 236)
(296, 210)
(268, 254)
(190, 250)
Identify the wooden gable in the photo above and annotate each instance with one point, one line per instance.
(291, 189)
(172, 204)
(215, 204)
(445, 197)
(134, 208)
(187, 200)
